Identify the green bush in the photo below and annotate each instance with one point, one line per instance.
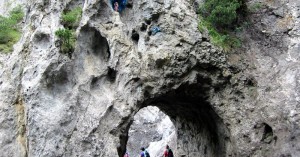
(66, 36)
(71, 18)
(219, 17)
(220, 13)
(223, 40)
(16, 13)
(9, 31)
(66, 39)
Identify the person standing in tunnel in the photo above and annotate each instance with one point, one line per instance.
(144, 153)
(168, 152)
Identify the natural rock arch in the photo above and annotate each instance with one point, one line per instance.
(200, 131)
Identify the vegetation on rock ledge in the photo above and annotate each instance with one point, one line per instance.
(70, 20)
(67, 40)
(219, 17)
(9, 30)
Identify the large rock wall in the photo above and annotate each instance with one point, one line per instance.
(243, 103)
(273, 45)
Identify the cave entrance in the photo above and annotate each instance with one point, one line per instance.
(200, 131)
(151, 129)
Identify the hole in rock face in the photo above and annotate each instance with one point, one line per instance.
(111, 74)
(94, 81)
(153, 130)
(100, 46)
(268, 134)
(92, 41)
(251, 81)
(42, 39)
(135, 36)
(143, 27)
(55, 78)
(155, 17)
(148, 21)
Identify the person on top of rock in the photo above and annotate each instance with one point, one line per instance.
(168, 152)
(116, 6)
(144, 153)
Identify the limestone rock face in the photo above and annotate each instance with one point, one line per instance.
(241, 103)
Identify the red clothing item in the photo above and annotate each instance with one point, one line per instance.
(166, 153)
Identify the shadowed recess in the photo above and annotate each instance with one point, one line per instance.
(95, 43)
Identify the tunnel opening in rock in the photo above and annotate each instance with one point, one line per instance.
(151, 129)
(200, 131)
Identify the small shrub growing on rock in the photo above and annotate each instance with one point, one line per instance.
(66, 36)
(71, 18)
(67, 40)
(9, 31)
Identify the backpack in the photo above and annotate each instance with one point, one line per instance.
(146, 154)
(170, 153)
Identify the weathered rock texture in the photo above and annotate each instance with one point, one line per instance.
(243, 103)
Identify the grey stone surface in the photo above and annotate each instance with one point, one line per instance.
(243, 103)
